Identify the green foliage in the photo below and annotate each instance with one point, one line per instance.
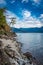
(2, 18)
(3, 25)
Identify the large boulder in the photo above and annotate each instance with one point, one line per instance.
(4, 59)
(9, 51)
(28, 55)
(31, 58)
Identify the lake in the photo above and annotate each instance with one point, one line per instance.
(33, 43)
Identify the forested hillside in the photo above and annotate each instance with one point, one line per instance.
(3, 24)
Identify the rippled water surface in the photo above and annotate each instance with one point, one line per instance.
(32, 42)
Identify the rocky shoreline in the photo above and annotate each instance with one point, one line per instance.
(10, 52)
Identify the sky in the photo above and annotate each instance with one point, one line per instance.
(28, 13)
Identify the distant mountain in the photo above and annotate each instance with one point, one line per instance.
(28, 30)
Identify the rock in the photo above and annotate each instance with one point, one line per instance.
(8, 46)
(28, 55)
(0, 36)
(31, 58)
(9, 51)
(4, 60)
(23, 64)
(1, 45)
(11, 54)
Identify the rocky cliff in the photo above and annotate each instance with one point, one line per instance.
(10, 53)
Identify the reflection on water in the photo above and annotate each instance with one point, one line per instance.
(32, 42)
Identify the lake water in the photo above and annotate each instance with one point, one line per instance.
(33, 43)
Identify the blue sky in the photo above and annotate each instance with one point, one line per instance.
(28, 13)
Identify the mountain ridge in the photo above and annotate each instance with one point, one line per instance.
(30, 30)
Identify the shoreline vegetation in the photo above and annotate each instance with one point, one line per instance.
(10, 49)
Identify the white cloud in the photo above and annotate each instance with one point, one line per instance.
(27, 21)
(10, 15)
(2, 2)
(41, 18)
(25, 1)
(36, 2)
(12, 1)
(27, 25)
(26, 14)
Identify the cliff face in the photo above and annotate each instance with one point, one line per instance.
(10, 53)
(3, 25)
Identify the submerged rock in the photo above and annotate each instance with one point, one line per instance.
(28, 55)
(31, 58)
